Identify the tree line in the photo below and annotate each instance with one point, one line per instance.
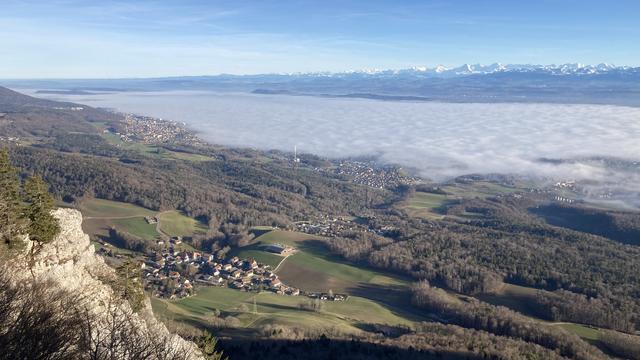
(508, 244)
(25, 208)
(471, 313)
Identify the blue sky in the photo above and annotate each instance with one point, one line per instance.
(144, 38)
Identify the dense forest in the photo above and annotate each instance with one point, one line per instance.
(501, 321)
(586, 273)
(432, 341)
(617, 225)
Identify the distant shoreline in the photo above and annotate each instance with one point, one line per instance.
(70, 92)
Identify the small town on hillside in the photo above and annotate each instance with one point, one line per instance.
(150, 130)
(370, 174)
(173, 274)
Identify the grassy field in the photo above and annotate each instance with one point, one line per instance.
(423, 204)
(290, 238)
(255, 252)
(375, 297)
(314, 268)
(585, 332)
(429, 205)
(480, 189)
(137, 226)
(114, 249)
(100, 215)
(522, 299)
(348, 316)
(318, 264)
(153, 151)
(174, 223)
(518, 298)
(115, 140)
(184, 156)
(212, 298)
(106, 208)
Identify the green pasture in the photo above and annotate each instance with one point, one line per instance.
(173, 223)
(107, 208)
(255, 252)
(276, 309)
(137, 226)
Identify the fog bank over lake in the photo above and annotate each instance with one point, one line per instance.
(439, 139)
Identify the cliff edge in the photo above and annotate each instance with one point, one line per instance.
(69, 261)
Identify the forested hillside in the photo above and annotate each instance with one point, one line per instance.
(593, 278)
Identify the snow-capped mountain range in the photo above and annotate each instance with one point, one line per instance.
(472, 69)
(566, 83)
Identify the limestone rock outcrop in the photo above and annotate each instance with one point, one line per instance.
(71, 263)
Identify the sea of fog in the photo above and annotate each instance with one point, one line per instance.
(441, 140)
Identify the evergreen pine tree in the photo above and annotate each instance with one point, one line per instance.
(43, 227)
(12, 221)
(207, 343)
(129, 285)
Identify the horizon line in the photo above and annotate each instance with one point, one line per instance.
(371, 70)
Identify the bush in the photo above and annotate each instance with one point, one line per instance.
(312, 305)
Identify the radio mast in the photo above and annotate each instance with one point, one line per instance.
(295, 154)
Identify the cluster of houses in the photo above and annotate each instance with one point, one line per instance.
(9, 138)
(328, 227)
(173, 274)
(328, 296)
(370, 174)
(152, 131)
(563, 199)
(571, 184)
(337, 226)
(72, 108)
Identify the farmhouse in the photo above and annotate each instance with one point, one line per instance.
(275, 283)
(151, 219)
(279, 249)
(250, 264)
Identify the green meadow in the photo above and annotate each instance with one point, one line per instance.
(173, 223)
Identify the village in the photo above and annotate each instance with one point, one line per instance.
(328, 226)
(367, 173)
(174, 274)
(150, 130)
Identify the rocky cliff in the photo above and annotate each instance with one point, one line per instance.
(70, 262)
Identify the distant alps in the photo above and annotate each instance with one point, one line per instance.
(471, 69)
(565, 83)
